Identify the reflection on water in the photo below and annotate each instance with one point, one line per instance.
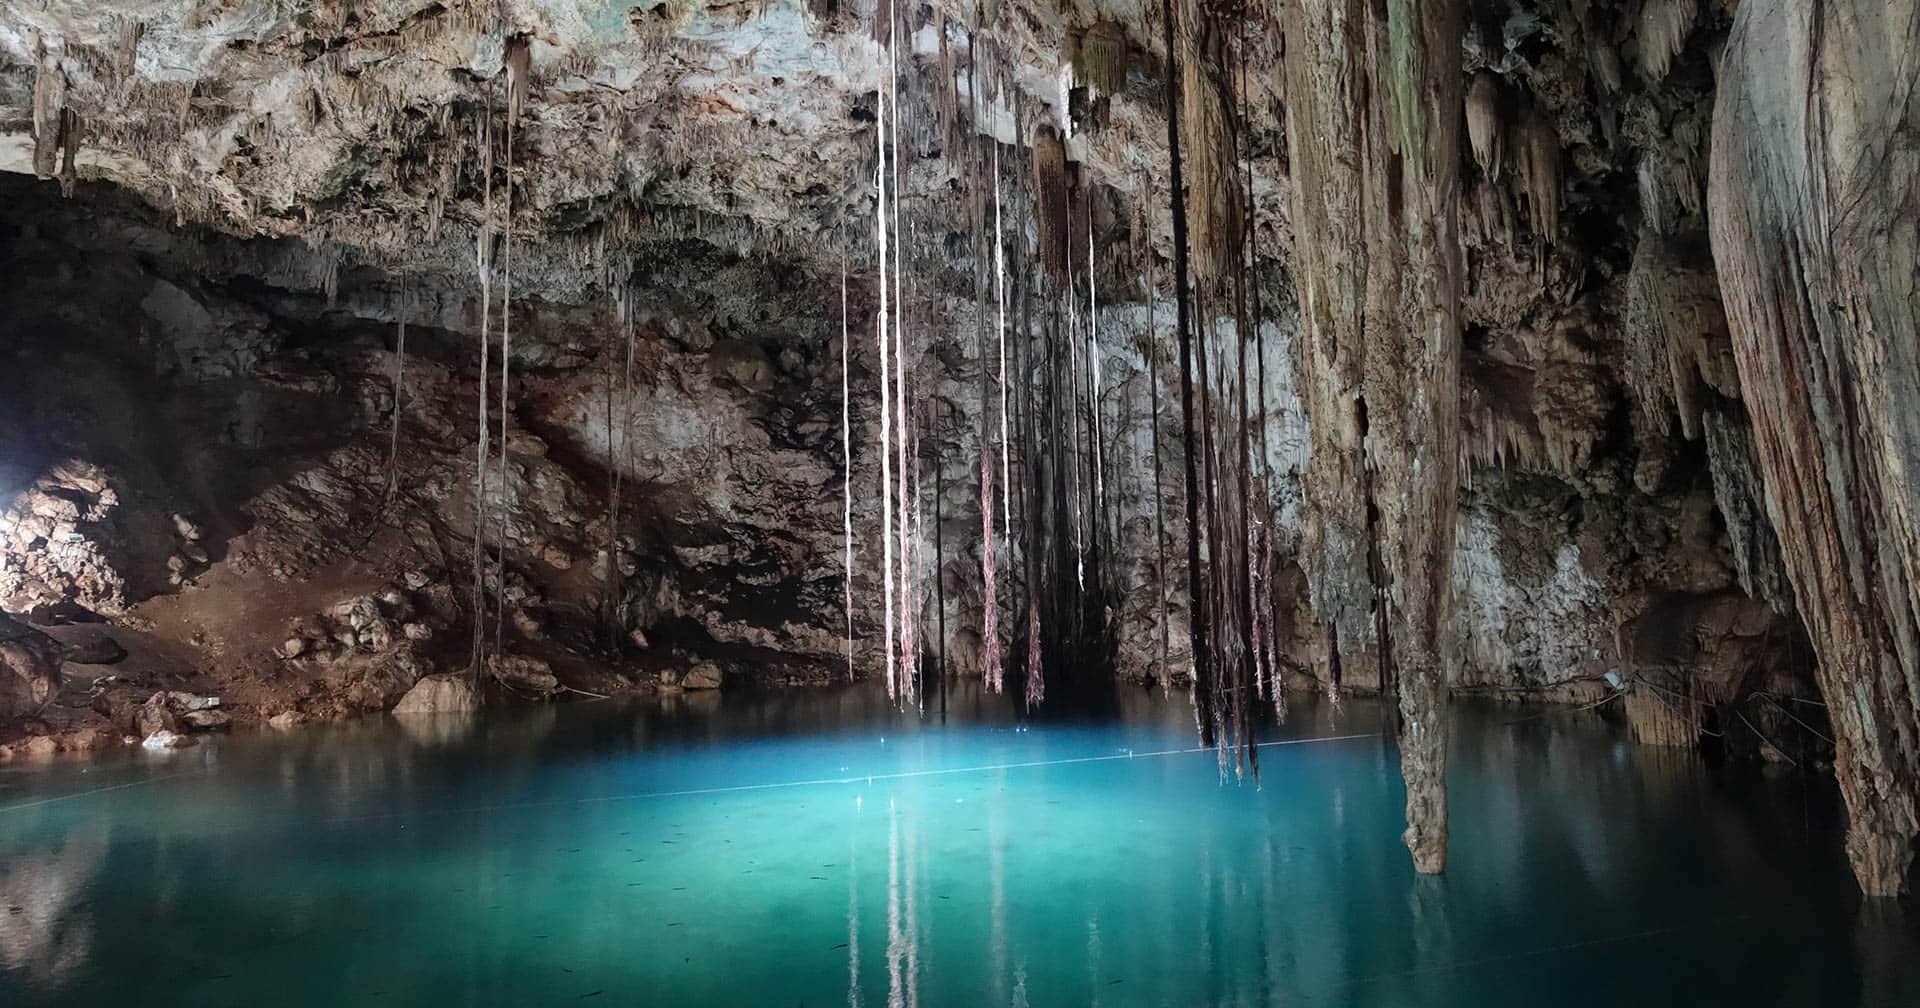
(815, 847)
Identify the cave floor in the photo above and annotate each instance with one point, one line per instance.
(817, 847)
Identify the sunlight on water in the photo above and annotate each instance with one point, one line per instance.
(815, 848)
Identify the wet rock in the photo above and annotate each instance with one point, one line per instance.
(211, 719)
(184, 702)
(29, 668)
(705, 675)
(379, 683)
(166, 739)
(285, 720)
(154, 716)
(444, 693)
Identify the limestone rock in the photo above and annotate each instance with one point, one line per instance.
(155, 716)
(529, 675)
(29, 668)
(444, 693)
(210, 719)
(705, 675)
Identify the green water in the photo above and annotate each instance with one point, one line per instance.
(817, 848)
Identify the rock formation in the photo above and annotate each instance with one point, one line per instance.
(1815, 187)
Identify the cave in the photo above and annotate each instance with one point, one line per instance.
(1335, 501)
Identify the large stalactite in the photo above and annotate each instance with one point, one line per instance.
(1374, 129)
(1815, 186)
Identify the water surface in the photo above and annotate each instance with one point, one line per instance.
(814, 847)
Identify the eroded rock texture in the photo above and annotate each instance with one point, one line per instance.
(1815, 188)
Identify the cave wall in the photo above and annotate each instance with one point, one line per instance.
(1815, 186)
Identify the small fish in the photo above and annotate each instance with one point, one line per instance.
(838, 947)
(592, 994)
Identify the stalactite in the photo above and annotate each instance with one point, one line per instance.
(1212, 161)
(1053, 213)
(1664, 27)
(1374, 117)
(1098, 55)
(1537, 148)
(49, 103)
(1483, 123)
(1815, 174)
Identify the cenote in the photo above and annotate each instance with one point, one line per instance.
(959, 502)
(819, 848)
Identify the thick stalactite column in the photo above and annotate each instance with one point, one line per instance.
(1814, 191)
(1374, 118)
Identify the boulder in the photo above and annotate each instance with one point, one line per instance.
(155, 716)
(29, 668)
(165, 739)
(528, 675)
(445, 693)
(285, 720)
(209, 719)
(384, 680)
(184, 702)
(705, 675)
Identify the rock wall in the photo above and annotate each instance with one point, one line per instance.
(1815, 185)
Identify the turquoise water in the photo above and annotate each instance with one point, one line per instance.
(816, 848)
